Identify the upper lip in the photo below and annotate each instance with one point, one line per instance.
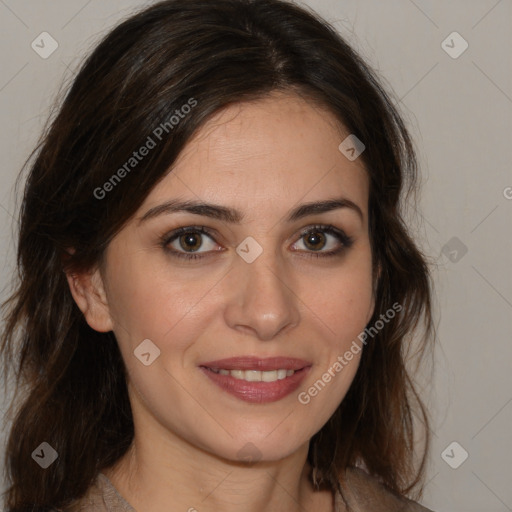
(256, 363)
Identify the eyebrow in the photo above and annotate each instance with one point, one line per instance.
(233, 216)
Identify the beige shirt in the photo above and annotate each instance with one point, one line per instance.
(364, 494)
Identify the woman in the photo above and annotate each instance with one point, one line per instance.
(217, 291)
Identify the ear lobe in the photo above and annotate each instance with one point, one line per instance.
(89, 294)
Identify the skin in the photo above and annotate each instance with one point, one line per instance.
(263, 158)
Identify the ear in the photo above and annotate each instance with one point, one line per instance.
(88, 291)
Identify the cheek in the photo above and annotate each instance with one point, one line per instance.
(155, 301)
(342, 311)
(342, 299)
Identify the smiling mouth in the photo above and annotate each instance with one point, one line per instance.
(256, 375)
(257, 380)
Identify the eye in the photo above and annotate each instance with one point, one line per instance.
(317, 241)
(185, 242)
(323, 240)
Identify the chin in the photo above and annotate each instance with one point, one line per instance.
(260, 447)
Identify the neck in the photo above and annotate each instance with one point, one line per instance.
(163, 472)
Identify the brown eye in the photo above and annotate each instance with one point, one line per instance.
(315, 240)
(190, 241)
(186, 242)
(323, 241)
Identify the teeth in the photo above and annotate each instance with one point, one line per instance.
(253, 375)
(269, 376)
(281, 374)
(257, 375)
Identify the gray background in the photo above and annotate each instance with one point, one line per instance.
(459, 113)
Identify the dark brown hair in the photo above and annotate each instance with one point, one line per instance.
(71, 379)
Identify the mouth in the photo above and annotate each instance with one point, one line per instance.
(257, 380)
(256, 375)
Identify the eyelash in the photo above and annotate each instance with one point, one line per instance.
(344, 239)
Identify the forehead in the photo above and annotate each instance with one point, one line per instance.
(280, 149)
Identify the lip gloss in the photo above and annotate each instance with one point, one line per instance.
(258, 391)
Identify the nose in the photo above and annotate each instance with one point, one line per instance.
(263, 302)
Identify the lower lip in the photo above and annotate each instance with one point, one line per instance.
(257, 392)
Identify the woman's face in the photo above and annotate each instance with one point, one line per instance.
(232, 311)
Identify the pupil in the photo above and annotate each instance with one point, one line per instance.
(314, 238)
(191, 241)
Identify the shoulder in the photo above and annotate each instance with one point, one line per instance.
(365, 493)
(100, 497)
